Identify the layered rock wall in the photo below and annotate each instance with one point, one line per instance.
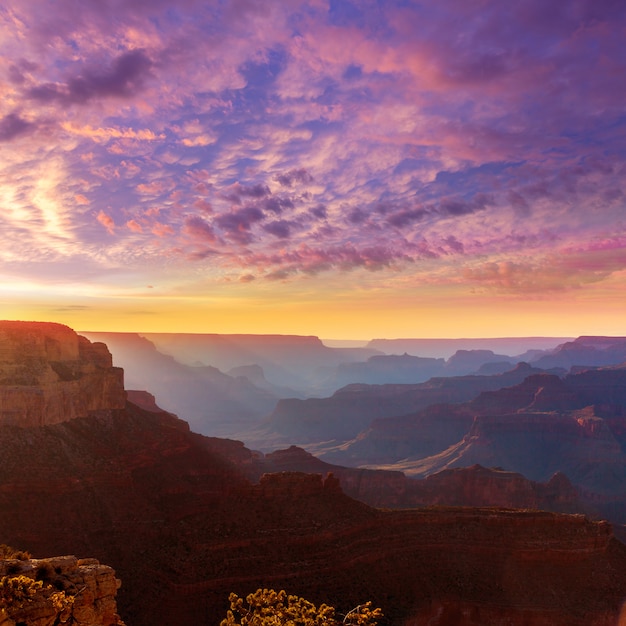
(50, 374)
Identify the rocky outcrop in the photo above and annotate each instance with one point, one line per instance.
(469, 361)
(49, 374)
(91, 586)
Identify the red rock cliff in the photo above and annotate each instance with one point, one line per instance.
(50, 374)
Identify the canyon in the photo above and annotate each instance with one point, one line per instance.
(184, 518)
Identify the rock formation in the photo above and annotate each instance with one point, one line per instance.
(92, 586)
(287, 360)
(544, 425)
(447, 347)
(383, 369)
(174, 514)
(49, 374)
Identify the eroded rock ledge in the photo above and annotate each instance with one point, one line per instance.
(92, 585)
(50, 374)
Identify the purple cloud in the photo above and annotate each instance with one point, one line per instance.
(457, 207)
(405, 217)
(319, 211)
(299, 138)
(199, 228)
(12, 126)
(237, 224)
(279, 228)
(124, 79)
(277, 204)
(288, 179)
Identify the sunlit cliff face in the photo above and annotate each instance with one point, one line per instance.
(336, 168)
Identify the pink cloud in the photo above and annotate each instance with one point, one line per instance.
(162, 230)
(199, 228)
(570, 269)
(134, 226)
(106, 221)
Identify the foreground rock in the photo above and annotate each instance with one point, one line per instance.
(91, 586)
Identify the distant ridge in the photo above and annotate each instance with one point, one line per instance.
(446, 347)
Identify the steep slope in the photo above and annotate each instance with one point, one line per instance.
(49, 374)
(183, 528)
(115, 486)
(211, 401)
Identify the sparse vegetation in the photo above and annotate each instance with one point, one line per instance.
(267, 607)
(18, 591)
(7, 552)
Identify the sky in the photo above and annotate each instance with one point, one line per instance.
(344, 169)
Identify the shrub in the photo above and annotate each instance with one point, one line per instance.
(267, 607)
(16, 592)
(7, 552)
